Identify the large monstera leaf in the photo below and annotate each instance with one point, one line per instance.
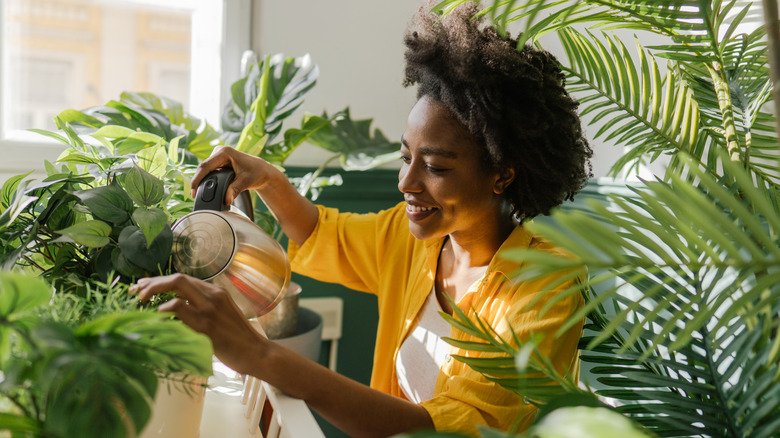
(272, 90)
(358, 149)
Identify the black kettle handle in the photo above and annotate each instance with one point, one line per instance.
(212, 189)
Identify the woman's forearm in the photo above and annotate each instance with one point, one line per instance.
(353, 407)
(297, 216)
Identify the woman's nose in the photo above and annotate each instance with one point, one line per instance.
(408, 182)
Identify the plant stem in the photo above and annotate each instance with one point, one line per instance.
(772, 22)
(304, 190)
(726, 108)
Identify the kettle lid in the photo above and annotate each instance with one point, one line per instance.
(204, 244)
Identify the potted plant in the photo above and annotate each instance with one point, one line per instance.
(74, 366)
(682, 304)
(102, 218)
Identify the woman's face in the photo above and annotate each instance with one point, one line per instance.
(446, 188)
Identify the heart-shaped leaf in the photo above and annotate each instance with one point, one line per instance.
(108, 203)
(92, 233)
(154, 160)
(151, 221)
(153, 258)
(124, 266)
(143, 187)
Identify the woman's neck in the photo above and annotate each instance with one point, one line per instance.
(464, 259)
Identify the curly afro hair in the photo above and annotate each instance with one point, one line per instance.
(512, 101)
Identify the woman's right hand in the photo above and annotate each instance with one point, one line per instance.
(252, 173)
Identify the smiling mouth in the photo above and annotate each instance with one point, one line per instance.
(416, 213)
(415, 209)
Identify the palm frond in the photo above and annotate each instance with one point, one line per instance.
(680, 238)
(515, 365)
(644, 111)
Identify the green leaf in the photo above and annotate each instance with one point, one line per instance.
(18, 425)
(21, 292)
(72, 116)
(77, 157)
(113, 131)
(91, 233)
(153, 258)
(154, 160)
(143, 187)
(273, 89)
(151, 221)
(352, 140)
(121, 264)
(108, 203)
(9, 189)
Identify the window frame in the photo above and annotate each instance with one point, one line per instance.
(216, 53)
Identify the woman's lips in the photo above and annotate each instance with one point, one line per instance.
(417, 213)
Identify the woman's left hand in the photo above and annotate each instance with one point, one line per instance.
(208, 309)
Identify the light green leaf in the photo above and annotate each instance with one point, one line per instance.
(143, 187)
(91, 233)
(154, 160)
(113, 131)
(21, 292)
(9, 189)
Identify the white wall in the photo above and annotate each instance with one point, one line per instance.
(358, 46)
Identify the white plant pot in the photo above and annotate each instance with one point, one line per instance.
(177, 408)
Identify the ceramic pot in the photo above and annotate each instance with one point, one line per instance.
(177, 408)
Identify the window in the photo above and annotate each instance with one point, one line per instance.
(58, 54)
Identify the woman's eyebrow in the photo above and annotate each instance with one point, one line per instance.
(445, 153)
(432, 150)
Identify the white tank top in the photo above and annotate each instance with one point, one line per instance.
(423, 352)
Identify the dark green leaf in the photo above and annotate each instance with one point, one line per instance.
(153, 258)
(151, 221)
(108, 203)
(91, 233)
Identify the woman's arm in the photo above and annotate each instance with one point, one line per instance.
(352, 407)
(296, 215)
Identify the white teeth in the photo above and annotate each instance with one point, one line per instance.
(416, 209)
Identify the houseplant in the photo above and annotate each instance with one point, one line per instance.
(89, 375)
(102, 218)
(681, 332)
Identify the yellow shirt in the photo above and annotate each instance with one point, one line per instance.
(376, 253)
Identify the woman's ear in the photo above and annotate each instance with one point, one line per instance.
(505, 177)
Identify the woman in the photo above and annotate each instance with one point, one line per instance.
(493, 139)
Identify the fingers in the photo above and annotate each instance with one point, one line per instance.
(220, 157)
(244, 165)
(186, 313)
(188, 288)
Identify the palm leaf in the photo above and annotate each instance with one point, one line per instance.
(645, 112)
(516, 366)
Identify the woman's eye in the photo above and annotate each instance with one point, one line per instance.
(435, 169)
(405, 159)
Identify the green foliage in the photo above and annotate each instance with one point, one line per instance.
(681, 305)
(270, 92)
(94, 377)
(109, 206)
(146, 117)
